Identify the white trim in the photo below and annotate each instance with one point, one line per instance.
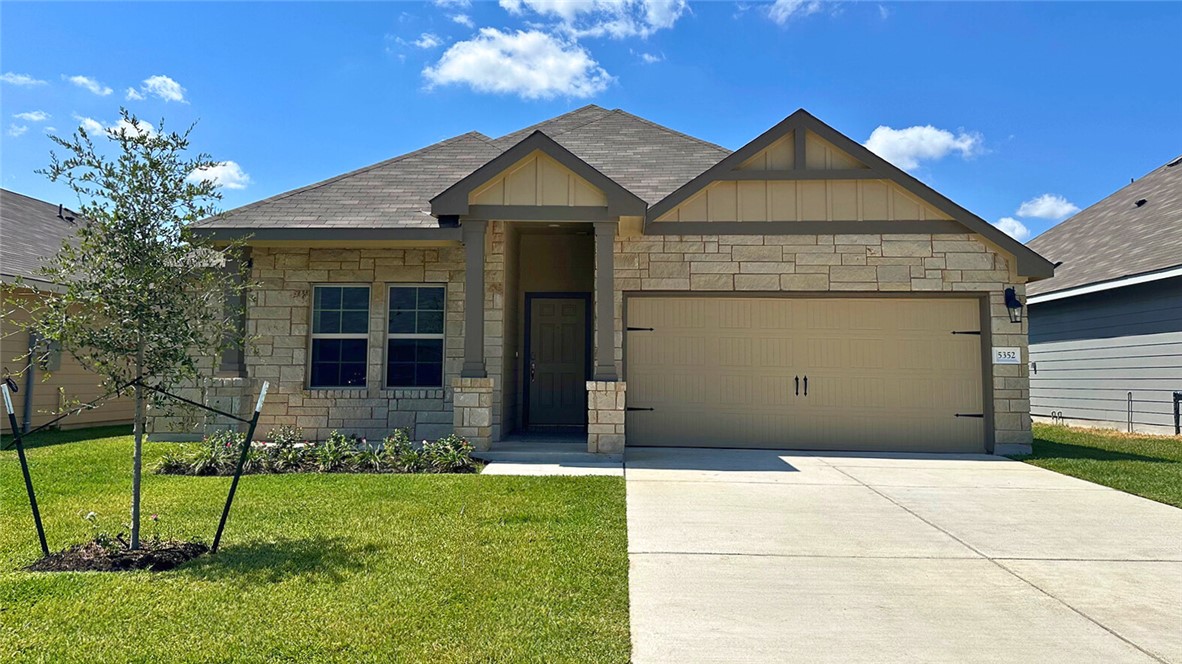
(1107, 285)
(442, 336)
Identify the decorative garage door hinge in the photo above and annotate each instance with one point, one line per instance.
(639, 329)
(636, 408)
(976, 332)
(981, 415)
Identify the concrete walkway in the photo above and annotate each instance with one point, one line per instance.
(753, 556)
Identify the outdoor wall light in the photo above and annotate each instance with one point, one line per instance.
(1013, 305)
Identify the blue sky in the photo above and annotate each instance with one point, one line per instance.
(1017, 111)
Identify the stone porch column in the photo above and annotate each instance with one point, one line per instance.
(472, 403)
(472, 232)
(605, 416)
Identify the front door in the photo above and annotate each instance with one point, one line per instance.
(557, 362)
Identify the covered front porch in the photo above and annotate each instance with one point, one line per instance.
(540, 337)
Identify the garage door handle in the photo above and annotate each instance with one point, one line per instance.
(797, 385)
(806, 386)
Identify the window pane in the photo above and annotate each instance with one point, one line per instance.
(338, 363)
(431, 298)
(401, 350)
(430, 322)
(428, 375)
(429, 350)
(355, 297)
(402, 298)
(327, 322)
(328, 297)
(354, 322)
(400, 374)
(402, 322)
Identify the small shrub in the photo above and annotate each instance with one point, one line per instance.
(286, 436)
(218, 455)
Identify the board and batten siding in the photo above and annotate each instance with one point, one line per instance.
(1089, 353)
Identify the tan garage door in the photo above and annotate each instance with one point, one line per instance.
(835, 374)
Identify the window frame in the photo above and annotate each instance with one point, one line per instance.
(313, 335)
(442, 336)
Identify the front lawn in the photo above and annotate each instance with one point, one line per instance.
(321, 568)
(1149, 466)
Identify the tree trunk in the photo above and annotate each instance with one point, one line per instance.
(138, 456)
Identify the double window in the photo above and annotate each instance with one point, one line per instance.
(414, 342)
(340, 336)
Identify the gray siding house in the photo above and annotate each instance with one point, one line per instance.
(1106, 330)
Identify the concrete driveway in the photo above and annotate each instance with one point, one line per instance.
(757, 556)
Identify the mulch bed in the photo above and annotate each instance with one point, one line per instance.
(93, 557)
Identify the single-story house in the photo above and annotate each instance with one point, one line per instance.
(32, 230)
(1106, 331)
(600, 273)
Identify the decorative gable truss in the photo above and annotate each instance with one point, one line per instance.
(804, 177)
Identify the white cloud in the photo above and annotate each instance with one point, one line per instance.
(1047, 206)
(134, 95)
(463, 19)
(164, 88)
(1013, 228)
(20, 79)
(15, 130)
(90, 84)
(650, 58)
(94, 127)
(123, 126)
(597, 18)
(452, 3)
(33, 116)
(226, 174)
(783, 11)
(905, 148)
(531, 64)
(428, 40)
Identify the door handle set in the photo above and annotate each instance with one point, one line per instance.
(806, 385)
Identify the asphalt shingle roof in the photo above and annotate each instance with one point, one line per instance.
(1117, 238)
(647, 159)
(30, 231)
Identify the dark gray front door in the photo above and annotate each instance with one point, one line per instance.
(556, 363)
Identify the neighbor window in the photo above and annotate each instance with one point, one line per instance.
(414, 352)
(340, 336)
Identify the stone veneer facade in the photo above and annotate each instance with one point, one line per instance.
(869, 263)
(280, 317)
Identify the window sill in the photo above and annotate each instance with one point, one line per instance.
(413, 392)
(338, 392)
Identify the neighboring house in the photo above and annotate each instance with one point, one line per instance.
(31, 231)
(1106, 331)
(799, 292)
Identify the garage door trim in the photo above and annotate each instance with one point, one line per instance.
(983, 316)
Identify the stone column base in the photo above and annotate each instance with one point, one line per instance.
(605, 416)
(472, 404)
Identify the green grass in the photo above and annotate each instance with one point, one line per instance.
(319, 568)
(1148, 466)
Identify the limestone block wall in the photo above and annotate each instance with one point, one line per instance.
(606, 402)
(280, 319)
(869, 263)
(474, 410)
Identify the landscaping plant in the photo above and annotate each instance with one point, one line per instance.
(337, 454)
(138, 295)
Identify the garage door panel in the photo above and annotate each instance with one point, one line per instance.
(884, 373)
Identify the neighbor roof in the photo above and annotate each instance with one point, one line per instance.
(645, 158)
(30, 232)
(1117, 238)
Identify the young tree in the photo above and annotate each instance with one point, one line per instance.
(142, 296)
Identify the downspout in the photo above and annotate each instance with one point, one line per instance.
(31, 369)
